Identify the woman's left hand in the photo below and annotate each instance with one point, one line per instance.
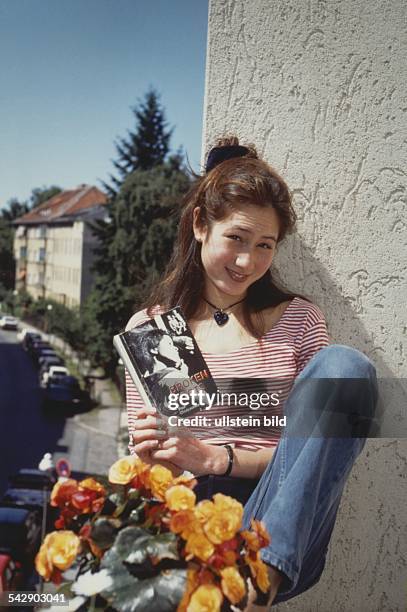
(189, 453)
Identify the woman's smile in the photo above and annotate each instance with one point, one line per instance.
(236, 276)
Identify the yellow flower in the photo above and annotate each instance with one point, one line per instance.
(224, 520)
(233, 585)
(124, 470)
(58, 550)
(206, 598)
(204, 510)
(160, 479)
(185, 523)
(259, 571)
(199, 546)
(222, 526)
(180, 498)
(224, 503)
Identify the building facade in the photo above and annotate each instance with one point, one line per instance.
(53, 246)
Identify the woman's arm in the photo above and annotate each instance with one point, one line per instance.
(184, 452)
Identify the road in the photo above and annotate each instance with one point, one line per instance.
(26, 432)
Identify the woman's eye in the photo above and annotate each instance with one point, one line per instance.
(265, 245)
(234, 237)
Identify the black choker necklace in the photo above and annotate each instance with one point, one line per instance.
(221, 317)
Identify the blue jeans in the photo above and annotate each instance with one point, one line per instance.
(297, 497)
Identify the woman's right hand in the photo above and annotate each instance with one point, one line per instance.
(149, 430)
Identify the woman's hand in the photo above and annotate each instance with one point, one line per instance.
(189, 453)
(153, 444)
(147, 436)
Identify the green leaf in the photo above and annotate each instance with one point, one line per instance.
(163, 592)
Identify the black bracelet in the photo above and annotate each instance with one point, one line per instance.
(231, 458)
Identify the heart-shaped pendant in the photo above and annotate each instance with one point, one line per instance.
(221, 317)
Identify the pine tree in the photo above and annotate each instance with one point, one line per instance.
(145, 147)
(136, 241)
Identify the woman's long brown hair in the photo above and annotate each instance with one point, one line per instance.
(240, 181)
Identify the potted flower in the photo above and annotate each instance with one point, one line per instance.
(140, 540)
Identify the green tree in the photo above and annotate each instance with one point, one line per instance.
(144, 221)
(144, 148)
(13, 209)
(42, 194)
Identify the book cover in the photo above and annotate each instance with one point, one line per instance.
(166, 365)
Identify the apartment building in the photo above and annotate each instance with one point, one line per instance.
(53, 245)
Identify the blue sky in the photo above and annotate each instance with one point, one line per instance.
(71, 69)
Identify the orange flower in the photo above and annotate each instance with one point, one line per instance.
(93, 485)
(185, 523)
(257, 538)
(62, 492)
(160, 480)
(233, 585)
(206, 598)
(58, 551)
(180, 498)
(199, 546)
(258, 570)
(125, 469)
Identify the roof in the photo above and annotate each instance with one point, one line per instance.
(65, 204)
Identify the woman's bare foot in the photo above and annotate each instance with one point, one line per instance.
(275, 579)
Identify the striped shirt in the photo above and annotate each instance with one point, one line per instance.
(267, 366)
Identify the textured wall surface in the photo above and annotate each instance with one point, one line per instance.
(321, 89)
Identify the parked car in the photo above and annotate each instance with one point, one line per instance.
(36, 345)
(52, 372)
(31, 489)
(20, 533)
(8, 322)
(64, 392)
(45, 363)
(42, 352)
(21, 512)
(29, 338)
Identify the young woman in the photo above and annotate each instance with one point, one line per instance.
(232, 220)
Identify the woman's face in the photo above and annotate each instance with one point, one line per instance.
(236, 251)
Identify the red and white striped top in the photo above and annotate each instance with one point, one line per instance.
(269, 364)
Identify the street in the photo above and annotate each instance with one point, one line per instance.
(26, 433)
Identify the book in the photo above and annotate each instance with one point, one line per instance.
(166, 364)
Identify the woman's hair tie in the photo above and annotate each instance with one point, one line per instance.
(220, 154)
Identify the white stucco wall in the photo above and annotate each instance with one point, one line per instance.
(321, 89)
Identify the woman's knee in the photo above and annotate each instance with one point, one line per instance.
(341, 361)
